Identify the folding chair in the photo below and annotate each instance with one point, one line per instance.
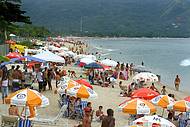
(9, 121)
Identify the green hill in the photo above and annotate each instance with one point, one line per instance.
(150, 18)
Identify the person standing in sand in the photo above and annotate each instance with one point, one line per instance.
(177, 82)
(109, 120)
(86, 121)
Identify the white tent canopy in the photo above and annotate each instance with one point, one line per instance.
(50, 57)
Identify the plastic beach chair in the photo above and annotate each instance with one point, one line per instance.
(50, 121)
(9, 121)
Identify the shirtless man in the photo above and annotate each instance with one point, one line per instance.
(109, 120)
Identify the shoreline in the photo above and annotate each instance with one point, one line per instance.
(169, 85)
(75, 37)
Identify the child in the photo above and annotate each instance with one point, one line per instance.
(163, 91)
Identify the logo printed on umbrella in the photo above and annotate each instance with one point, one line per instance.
(188, 104)
(157, 119)
(21, 96)
(90, 91)
(156, 99)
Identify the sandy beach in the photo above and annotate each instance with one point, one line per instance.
(107, 97)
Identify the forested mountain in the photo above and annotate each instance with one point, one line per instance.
(131, 18)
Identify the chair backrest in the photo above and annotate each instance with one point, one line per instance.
(61, 112)
(83, 104)
(9, 119)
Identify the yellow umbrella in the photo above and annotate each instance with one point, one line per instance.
(181, 105)
(67, 85)
(82, 91)
(27, 97)
(138, 106)
(163, 101)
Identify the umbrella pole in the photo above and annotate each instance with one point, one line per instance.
(163, 112)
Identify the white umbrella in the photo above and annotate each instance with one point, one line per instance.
(87, 60)
(109, 62)
(90, 56)
(12, 35)
(80, 56)
(70, 53)
(153, 121)
(63, 53)
(50, 57)
(146, 77)
(64, 48)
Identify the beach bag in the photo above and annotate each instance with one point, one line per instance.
(24, 123)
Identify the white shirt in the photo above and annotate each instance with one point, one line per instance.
(39, 76)
(5, 83)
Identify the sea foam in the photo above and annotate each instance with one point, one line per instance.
(185, 62)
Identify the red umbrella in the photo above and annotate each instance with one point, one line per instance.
(10, 42)
(105, 67)
(187, 98)
(14, 55)
(81, 64)
(84, 82)
(144, 93)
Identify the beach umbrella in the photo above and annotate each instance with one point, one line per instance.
(71, 54)
(10, 42)
(64, 48)
(82, 91)
(145, 77)
(181, 106)
(109, 62)
(27, 97)
(63, 53)
(153, 121)
(137, 106)
(12, 35)
(84, 82)
(105, 67)
(187, 98)
(163, 101)
(4, 58)
(87, 60)
(140, 68)
(144, 93)
(12, 55)
(134, 126)
(64, 85)
(93, 66)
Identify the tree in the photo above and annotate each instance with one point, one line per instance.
(10, 13)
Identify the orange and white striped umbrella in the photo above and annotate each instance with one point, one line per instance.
(69, 84)
(82, 91)
(163, 101)
(138, 106)
(27, 97)
(182, 106)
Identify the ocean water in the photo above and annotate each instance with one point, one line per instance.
(162, 55)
